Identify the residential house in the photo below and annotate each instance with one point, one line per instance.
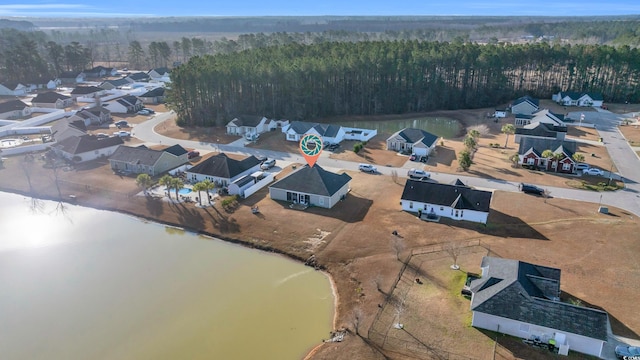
(523, 300)
(42, 83)
(247, 125)
(71, 77)
(525, 105)
(330, 133)
(142, 160)
(14, 109)
(125, 105)
(541, 130)
(531, 149)
(568, 98)
(413, 140)
(54, 100)
(13, 89)
(67, 127)
(100, 72)
(222, 170)
(158, 73)
(544, 116)
(138, 77)
(311, 186)
(86, 148)
(114, 84)
(154, 96)
(92, 116)
(457, 201)
(87, 92)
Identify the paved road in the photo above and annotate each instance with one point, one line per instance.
(625, 160)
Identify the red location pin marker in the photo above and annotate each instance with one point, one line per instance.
(311, 147)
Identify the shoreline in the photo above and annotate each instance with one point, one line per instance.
(211, 236)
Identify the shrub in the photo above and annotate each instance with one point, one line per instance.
(357, 147)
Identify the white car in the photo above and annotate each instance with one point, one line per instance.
(418, 174)
(582, 166)
(368, 168)
(122, 133)
(593, 171)
(268, 164)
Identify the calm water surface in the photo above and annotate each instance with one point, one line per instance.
(100, 285)
(444, 127)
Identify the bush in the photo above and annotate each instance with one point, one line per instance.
(357, 147)
(181, 122)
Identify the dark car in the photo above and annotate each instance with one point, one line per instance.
(627, 352)
(121, 124)
(531, 189)
(193, 154)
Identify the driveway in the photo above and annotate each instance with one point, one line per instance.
(606, 123)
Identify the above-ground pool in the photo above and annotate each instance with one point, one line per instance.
(184, 191)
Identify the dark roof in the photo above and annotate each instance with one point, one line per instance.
(577, 95)
(136, 155)
(541, 130)
(160, 70)
(130, 99)
(302, 127)
(244, 181)
(222, 166)
(138, 76)
(530, 293)
(455, 196)
(49, 97)
(159, 91)
(81, 144)
(97, 111)
(526, 98)
(247, 120)
(117, 82)
(83, 90)
(313, 180)
(176, 150)
(11, 85)
(12, 105)
(413, 136)
(540, 145)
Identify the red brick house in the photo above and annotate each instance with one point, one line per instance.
(531, 150)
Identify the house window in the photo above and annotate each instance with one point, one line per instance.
(410, 204)
(441, 208)
(566, 166)
(456, 213)
(531, 161)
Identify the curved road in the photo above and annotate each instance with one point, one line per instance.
(625, 159)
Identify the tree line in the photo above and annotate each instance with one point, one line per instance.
(388, 77)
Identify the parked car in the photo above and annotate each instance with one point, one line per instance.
(330, 146)
(268, 164)
(418, 174)
(122, 133)
(413, 157)
(582, 166)
(143, 112)
(531, 189)
(368, 168)
(121, 124)
(251, 136)
(627, 352)
(149, 110)
(101, 136)
(593, 171)
(193, 154)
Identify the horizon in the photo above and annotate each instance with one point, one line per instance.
(253, 8)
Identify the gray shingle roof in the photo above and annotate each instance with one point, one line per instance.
(176, 150)
(302, 127)
(222, 166)
(81, 144)
(117, 82)
(528, 293)
(136, 155)
(138, 76)
(527, 98)
(313, 180)
(247, 120)
(413, 136)
(84, 90)
(540, 145)
(456, 196)
(541, 130)
(49, 97)
(12, 105)
(159, 91)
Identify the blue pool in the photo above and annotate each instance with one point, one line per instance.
(184, 191)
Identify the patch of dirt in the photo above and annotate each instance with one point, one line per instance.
(215, 135)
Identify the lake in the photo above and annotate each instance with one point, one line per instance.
(90, 284)
(443, 127)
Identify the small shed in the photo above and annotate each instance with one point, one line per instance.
(239, 186)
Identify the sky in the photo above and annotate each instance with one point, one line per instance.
(162, 8)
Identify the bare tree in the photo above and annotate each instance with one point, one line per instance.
(398, 245)
(546, 194)
(394, 176)
(453, 248)
(377, 281)
(356, 319)
(399, 307)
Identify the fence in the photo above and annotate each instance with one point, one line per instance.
(257, 186)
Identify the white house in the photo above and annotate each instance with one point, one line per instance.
(413, 140)
(334, 134)
(14, 109)
(525, 105)
(154, 96)
(523, 300)
(311, 186)
(13, 89)
(87, 92)
(457, 202)
(247, 125)
(543, 116)
(222, 170)
(71, 77)
(568, 98)
(159, 73)
(125, 105)
(54, 100)
(87, 147)
(92, 116)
